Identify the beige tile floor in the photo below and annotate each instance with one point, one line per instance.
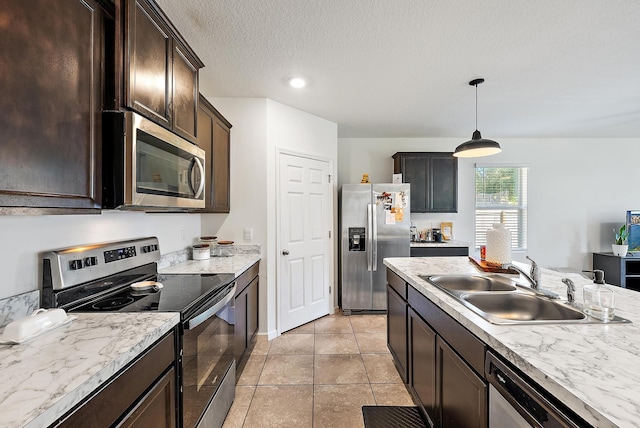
(318, 375)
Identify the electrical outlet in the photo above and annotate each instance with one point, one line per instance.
(247, 234)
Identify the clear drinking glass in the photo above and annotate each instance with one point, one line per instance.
(599, 302)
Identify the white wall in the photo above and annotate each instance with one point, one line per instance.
(261, 127)
(23, 238)
(248, 185)
(579, 189)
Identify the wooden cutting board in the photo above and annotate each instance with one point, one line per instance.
(491, 267)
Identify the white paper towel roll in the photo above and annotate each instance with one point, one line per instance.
(499, 244)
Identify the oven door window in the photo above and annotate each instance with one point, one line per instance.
(207, 355)
(164, 169)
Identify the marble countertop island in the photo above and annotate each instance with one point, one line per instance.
(594, 369)
(45, 377)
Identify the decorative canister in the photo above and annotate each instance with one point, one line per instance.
(211, 241)
(201, 252)
(225, 248)
(499, 244)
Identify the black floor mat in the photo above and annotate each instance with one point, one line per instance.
(392, 417)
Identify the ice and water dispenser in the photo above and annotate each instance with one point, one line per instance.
(356, 239)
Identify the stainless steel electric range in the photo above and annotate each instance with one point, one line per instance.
(122, 277)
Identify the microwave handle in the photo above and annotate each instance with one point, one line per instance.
(196, 162)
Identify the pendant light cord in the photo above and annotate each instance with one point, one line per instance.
(476, 106)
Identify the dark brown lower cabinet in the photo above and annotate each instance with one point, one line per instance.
(246, 313)
(141, 395)
(397, 330)
(461, 395)
(422, 371)
(157, 408)
(441, 362)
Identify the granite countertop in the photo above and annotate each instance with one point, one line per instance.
(45, 377)
(449, 243)
(236, 264)
(591, 368)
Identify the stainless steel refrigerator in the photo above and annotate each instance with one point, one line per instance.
(374, 224)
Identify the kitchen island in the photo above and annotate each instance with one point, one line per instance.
(591, 368)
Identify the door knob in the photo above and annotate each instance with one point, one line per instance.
(285, 252)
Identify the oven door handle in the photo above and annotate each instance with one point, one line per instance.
(203, 316)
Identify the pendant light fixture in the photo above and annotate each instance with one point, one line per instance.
(477, 146)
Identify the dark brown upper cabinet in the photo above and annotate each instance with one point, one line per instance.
(214, 137)
(160, 69)
(50, 125)
(434, 180)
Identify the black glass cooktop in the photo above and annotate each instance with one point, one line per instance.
(179, 293)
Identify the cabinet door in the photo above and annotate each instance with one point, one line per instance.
(185, 93)
(433, 177)
(461, 395)
(252, 310)
(148, 74)
(415, 171)
(221, 170)
(50, 120)
(157, 408)
(214, 137)
(422, 363)
(241, 324)
(397, 330)
(443, 183)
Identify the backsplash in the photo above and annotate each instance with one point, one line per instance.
(21, 305)
(183, 255)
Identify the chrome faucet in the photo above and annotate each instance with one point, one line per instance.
(533, 277)
(571, 290)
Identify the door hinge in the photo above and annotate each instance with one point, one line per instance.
(329, 289)
(329, 234)
(329, 178)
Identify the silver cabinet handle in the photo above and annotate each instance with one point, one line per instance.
(285, 252)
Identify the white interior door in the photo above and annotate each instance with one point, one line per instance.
(304, 244)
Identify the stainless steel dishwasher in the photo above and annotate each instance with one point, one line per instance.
(514, 403)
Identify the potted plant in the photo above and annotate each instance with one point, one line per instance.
(620, 248)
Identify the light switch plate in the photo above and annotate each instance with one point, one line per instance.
(247, 234)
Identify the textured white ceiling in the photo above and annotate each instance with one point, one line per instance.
(400, 68)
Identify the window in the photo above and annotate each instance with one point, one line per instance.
(501, 197)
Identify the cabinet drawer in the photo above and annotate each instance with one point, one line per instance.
(397, 283)
(245, 279)
(464, 342)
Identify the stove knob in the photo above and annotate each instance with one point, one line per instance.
(76, 264)
(91, 261)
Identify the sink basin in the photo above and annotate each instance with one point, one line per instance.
(501, 300)
(470, 283)
(519, 307)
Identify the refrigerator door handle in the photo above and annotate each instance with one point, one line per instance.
(369, 237)
(374, 246)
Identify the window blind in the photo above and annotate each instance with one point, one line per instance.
(501, 197)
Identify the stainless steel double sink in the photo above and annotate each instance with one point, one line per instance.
(501, 300)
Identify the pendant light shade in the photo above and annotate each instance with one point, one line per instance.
(477, 146)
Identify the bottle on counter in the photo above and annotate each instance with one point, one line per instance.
(413, 232)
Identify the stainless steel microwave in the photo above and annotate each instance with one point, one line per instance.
(147, 167)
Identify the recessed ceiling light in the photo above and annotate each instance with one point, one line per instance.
(297, 82)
